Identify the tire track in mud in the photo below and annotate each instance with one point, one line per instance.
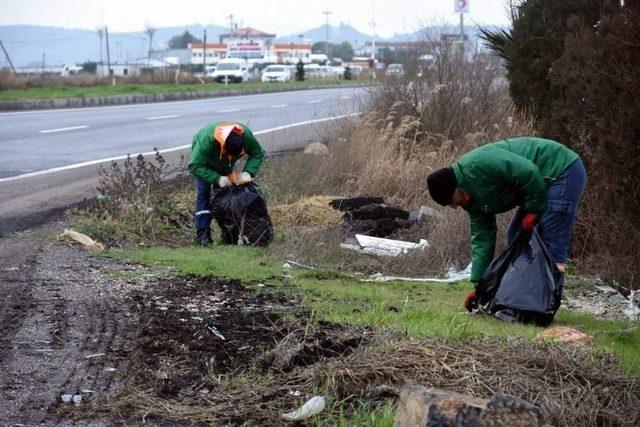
(64, 328)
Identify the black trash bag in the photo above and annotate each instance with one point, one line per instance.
(523, 279)
(241, 213)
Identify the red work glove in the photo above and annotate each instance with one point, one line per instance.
(529, 221)
(470, 301)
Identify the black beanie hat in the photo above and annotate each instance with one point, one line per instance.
(234, 144)
(442, 184)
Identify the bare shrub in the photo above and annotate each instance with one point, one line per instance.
(142, 202)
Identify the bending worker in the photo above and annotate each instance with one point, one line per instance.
(214, 152)
(542, 177)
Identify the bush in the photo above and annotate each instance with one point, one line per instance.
(300, 71)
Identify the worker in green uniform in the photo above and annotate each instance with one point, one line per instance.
(541, 177)
(214, 152)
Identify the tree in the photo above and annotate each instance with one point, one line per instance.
(347, 73)
(343, 50)
(149, 31)
(530, 47)
(181, 41)
(300, 71)
(89, 67)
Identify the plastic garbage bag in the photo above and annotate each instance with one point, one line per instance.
(242, 215)
(523, 281)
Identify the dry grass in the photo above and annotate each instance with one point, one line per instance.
(309, 211)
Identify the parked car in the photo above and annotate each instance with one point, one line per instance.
(276, 73)
(395, 70)
(232, 70)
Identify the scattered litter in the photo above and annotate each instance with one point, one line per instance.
(631, 310)
(67, 398)
(314, 406)
(452, 276)
(381, 246)
(215, 332)
(297, 264)
(91, 356)
(44, 350)
(83, 239)
(564, 334)
(260, 285)
(77, 399)
(294, 393)
(286, 266)
(11, 269)
(110, 369)
(87, 391)
(204, 391)
(354, 203)
(198, 318)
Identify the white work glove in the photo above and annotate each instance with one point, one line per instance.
(245, 177)
(224, 182)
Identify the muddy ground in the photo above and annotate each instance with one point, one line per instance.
(89, 340)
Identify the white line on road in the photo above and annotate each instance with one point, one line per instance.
(63, 129)
(230, 110)
(166, 150)
(279, 106)
(169, 116)
(315, 101)
(345, 97)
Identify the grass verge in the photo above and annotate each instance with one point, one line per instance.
(54, 92)
(420, 309)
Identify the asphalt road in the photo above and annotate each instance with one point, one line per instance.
(49, 158)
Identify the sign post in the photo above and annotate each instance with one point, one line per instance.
(461, 7)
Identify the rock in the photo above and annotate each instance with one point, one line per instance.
(421, 406)
(317, 149)
(564, 334)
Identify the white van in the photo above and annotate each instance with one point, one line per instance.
(233, 70)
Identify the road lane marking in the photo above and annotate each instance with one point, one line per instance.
(345, 97)
(169, 116)
(279, 106)
(64, 129)
(316, 101)
(230, 110)
(166, 150)
(167, 103)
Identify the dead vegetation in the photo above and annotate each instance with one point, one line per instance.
(275, 356)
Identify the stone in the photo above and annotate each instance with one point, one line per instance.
(564, 334)
(422, 406)
(317, 149)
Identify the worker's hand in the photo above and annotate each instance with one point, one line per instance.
(245, 177)
(471, 301)
(529, 221)
(224, 182)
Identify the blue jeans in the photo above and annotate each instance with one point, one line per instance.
(556, 223)
(203, 204)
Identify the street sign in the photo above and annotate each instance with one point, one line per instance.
(461, 6)
(245, 49)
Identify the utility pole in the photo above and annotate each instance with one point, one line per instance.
(6, 54)
(373, 30)
(461, 26)
(204, 53)
(149, 31)
(106, 32)
(43, 56)
(327, 13)
(100, 31)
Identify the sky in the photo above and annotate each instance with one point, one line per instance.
(281, 17)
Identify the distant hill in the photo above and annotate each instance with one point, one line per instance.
(337, 34)
(26, 43)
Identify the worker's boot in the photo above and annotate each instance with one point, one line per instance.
(203, 237)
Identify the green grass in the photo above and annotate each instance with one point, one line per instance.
(140, 89)
(420, 309)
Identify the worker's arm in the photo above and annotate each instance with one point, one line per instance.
(255, 152)
(525, 175)
(483, 243)
(198, 161)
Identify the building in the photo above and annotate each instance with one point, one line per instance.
(292, 53)
(214, 51)
(173, 56)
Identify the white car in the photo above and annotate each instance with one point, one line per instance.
(231, 70)
(276, 73)
(395, 70)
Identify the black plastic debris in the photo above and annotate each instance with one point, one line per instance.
(354, 202)
(523, 283)
(242, 215)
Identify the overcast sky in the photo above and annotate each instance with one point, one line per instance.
(281, 17)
